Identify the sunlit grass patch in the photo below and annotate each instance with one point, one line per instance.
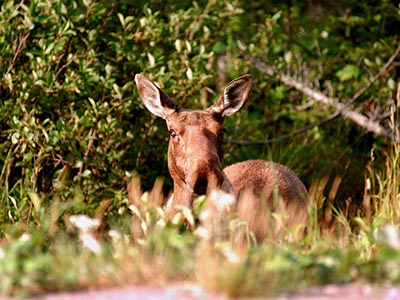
(130, 239)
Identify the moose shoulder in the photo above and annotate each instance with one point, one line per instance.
(195, 160)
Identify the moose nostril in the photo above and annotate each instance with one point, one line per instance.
(200, 187)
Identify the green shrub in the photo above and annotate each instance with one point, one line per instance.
(74, 132)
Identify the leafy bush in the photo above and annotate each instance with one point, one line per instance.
(74, 132)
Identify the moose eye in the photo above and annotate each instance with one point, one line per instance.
(173, 134)
(221, 132)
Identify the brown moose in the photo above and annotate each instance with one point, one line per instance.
(195, 160)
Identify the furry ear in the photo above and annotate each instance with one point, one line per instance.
(155, 100)
(234, 96)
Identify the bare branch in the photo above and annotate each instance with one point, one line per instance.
(340, 108)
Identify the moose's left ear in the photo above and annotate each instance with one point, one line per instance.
(234, 96)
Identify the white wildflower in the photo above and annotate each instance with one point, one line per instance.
(389, 235)
(202, 232)
(84, 223)
(205, 215)
(232, 256)
(25, 237)
(90, 242)
(222, 200)
(86, 226)
(115, 235)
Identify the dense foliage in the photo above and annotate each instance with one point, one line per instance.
(74, 132)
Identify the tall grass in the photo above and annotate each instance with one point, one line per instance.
(76, 127)
(141, 244)
(130, 239)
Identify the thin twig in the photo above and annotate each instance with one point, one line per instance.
(377, 76)
(18, 51)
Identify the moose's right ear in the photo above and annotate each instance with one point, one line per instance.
(155, 100)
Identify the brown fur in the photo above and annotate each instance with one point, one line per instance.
(279, 190)
(195, 161)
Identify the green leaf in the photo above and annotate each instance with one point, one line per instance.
(219, 47)
(15, 138)
(35, 201)
(348, 72)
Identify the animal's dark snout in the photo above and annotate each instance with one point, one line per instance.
(200, 186)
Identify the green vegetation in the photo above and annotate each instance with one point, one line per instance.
(74, 134)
